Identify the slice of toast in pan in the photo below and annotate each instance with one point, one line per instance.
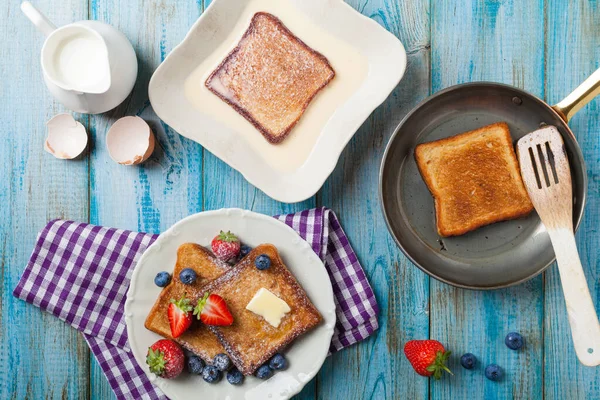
(250, 341)
(197, 339)
(474, 178)
(270, 77)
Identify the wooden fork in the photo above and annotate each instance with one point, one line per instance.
(547, 177)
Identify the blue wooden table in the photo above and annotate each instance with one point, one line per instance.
(544, 46)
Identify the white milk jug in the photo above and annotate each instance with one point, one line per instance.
(90, 67)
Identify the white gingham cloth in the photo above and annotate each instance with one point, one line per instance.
(81, 272)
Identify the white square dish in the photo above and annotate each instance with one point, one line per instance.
(309, 163)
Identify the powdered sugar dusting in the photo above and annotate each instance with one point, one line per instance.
(251, 340)
(197, 339)
(270, 77)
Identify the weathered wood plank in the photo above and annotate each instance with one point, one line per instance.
(168, 187)
(573, 52)
(43, 357)
(499, 41)
(377, 368)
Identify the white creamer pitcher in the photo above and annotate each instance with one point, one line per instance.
(90, 67)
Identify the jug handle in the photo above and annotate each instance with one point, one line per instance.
(40, 21)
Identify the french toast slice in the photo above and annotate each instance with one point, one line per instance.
(198, 338)
(474, 178)
(250, 341)
(270, 77)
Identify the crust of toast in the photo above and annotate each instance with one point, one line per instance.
(198, 338)
(251, 341)
(474, 178)
(270, 77)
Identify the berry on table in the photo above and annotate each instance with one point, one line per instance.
(493, 372)
(262, 262)
(222, 362)
(514, 341)
(195, 365)
(211, 374)
(235, 377)
(187, 276)
(427, 357)
(264, 372)
(278, 362)
(162, 279)
(225, 246)
(468, 361)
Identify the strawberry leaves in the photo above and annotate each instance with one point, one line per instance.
(439, 364)
(183, 304)
(156, 361)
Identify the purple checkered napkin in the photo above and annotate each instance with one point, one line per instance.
(81, 272)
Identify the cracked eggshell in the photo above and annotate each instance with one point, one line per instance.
(66, 137)
(130, 141)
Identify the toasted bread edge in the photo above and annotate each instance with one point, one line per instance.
(523, 210)
(153, 314)
(233, 353)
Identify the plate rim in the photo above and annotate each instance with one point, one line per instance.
(284, 186)
(381, 178)
(171, 232)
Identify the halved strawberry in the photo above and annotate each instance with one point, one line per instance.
(180, 316)
(212, 310)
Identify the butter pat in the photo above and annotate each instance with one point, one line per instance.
(268, 306)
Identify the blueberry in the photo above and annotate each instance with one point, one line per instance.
(493, 372)
(264, 372)
(222, 362)
(468, 360)
(162, 279)
(278, 362)
(244, 250)
(235, 377)
(262, 262)
(187, 276)
(211, 375)
(195, 365)
(514, 341)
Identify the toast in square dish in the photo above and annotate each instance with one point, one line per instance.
(474, 178)
(270, 77)
(251, 341)
(198, 338)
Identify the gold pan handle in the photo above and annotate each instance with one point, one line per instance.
(584, 93)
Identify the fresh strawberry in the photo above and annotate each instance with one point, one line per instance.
(212, 310)
(427, 357)
(180, 316)
(226, 246)
(165, 359)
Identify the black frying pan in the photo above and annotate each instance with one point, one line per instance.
(498, 255)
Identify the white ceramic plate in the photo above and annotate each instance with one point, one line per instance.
(385, 59)
(305, 355)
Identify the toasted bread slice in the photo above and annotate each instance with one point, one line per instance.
(474, 178)
(250, 341)
(270, 77)
(197, 339)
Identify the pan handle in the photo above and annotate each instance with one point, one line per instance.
(584, 93)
